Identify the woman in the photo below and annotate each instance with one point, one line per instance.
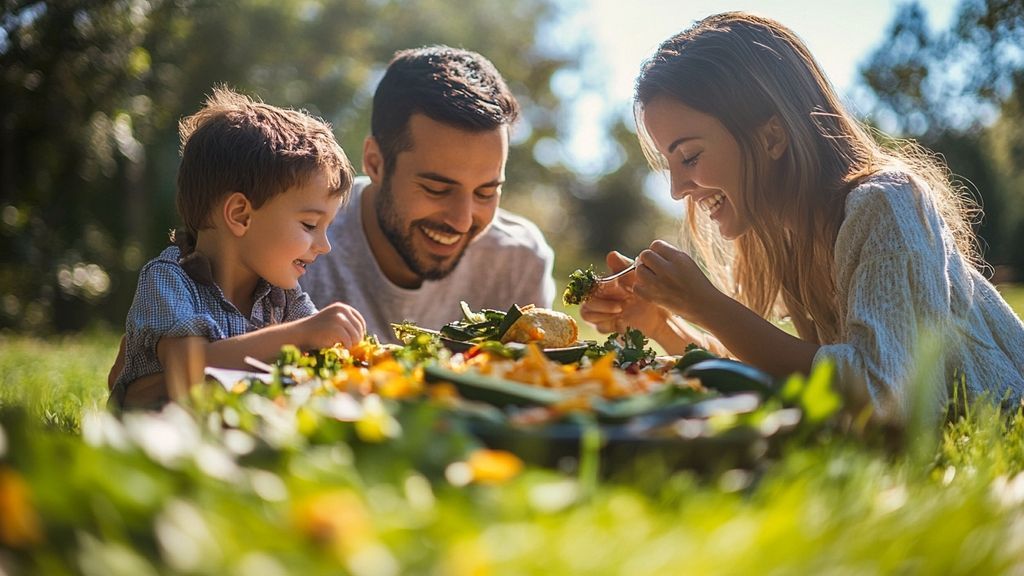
(793, 209)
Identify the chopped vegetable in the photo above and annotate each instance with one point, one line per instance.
(480, 326)
(630, 349)
(582, 284)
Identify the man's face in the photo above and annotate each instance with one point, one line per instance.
(441, 194)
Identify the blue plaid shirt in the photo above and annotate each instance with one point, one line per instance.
(177, 297)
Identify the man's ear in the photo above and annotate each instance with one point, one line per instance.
(237, 211)
(373, 160)
(774, 138)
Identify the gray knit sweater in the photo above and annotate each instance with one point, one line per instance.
(917, 316)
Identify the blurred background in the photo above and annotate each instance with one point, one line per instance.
(91, 92)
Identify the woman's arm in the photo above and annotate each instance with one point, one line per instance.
(755, 340)
(668, 277)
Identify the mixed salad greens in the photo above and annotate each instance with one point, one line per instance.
(582, 284)
(474, 327)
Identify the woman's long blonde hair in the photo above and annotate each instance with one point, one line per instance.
(744, 70)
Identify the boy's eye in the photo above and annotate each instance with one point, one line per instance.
(308, 226)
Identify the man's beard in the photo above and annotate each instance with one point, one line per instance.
(401, 236)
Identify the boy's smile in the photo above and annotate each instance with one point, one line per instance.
(288, 232)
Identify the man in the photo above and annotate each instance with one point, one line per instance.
(424, 230)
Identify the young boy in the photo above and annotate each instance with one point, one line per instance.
(257, 188)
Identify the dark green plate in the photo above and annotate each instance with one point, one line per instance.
(566, 355)
(502, 393)
(494, 391)
(634, 431)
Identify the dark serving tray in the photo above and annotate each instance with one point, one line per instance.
(670, 428)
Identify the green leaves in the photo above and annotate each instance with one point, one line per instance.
(630, 349)
(581, 284)
(813, 394)
(481, 326)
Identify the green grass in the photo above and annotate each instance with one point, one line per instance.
(1014, 295)
(55, 379)
(173, 494)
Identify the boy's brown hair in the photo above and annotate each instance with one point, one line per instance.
(237, 144)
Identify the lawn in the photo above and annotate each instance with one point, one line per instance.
(244, 488)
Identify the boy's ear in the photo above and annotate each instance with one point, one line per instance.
(373, 160)
(237, 213)
(774, 138)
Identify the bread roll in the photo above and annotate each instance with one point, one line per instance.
(548, 328)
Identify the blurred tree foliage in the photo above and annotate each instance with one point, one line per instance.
(960, 92)
(91, 92)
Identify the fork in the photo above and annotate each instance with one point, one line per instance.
(622, 272)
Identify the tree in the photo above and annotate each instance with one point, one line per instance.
(91, 92)
(956, 91)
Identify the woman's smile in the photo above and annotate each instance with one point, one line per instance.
(712, 204)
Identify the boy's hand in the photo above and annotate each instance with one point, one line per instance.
(335, 323)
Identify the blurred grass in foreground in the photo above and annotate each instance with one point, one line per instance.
(161, 496)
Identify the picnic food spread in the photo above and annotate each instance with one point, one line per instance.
(494, 373)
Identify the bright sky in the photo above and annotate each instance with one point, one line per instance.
(840, 34)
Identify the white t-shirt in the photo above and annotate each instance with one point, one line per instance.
(509, 263)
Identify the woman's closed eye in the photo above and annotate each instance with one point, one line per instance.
(691, 160)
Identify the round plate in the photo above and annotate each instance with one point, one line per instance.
(566, 355)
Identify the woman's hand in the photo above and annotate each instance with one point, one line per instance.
(668, 277)
(613, 307)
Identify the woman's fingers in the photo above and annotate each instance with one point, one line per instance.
(616, 261)
(601, 306)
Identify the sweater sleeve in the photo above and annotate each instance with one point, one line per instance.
(892, 287)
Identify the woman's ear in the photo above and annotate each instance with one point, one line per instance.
(237, 211)
(373, 160)
(774, 138)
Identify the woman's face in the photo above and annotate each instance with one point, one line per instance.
(704, 160)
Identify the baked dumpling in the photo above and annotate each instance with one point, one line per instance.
(548, 328)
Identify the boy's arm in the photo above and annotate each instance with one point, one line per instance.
(183, 358)
(147, 392)
(336, 323)
(118, 366)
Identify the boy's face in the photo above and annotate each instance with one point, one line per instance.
(442, 194)
(289, 231)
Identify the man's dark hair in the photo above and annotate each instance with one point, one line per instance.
(448, 85)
